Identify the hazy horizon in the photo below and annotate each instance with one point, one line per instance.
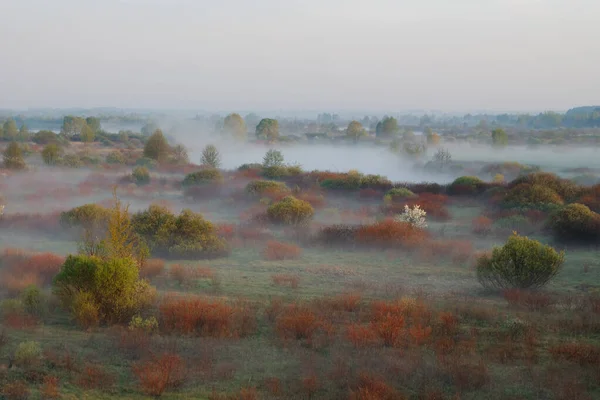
(384, 55)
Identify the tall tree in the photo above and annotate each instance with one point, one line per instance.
(87, 134)
(94, 123)
(387, 127)
(268, 129)
(10, 129)
(13, 157)
(157, 148)
(499, 137)
(355, 131)
(211, 156)
(23, 135)
(51, 154)
(72, 125)
(235, 125)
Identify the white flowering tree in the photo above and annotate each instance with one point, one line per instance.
(414, 216)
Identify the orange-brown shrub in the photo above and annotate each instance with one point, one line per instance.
(310, 385)
(370, 387)
(17, 390)
(152, 268)
(361, 335)
(160, 373)
(390, 328)
(184, 273)
(583, 354)
(284, 279)
(420, 334)
(297, 322)
(390, 233)
(204, 317)
(95, 377)
(50, 388)
(21, 269)
(448, 323)
(226, 231)
(532, 300)
(273, 386)
(281, 251)
(482, 225)
(347, 301)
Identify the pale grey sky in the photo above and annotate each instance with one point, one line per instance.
(453, 55)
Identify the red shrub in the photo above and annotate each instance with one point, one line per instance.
(390, 233)
(94, 377)
(581, 353)
(160, 373)
(283, 280)
(21, 269)
(205, 317)
(297, 323)
(50, 388)
(281, 251)
(448, 323)
(420, 334)
(347, 302)
(273, 386)
(482, 225)
(152, 268)
(361, 335)
(310, 385)
(370, 387)
(17, 390)
(390, 328)
(226, 231)
(533, 301)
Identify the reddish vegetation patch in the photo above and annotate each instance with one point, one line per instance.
(581, 353)
(281, 251)
(205, 317)
(183, 274)
(534, 301)
(390, 233)
(433, 204)
(297, 323)
(370, 387)
(152, 268)
(286, 280)
(482, 225)
(95, 377)
(49, 223)
(21, 269)
(160, 373)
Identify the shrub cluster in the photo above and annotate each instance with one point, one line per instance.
(205, 317)
(203, 177)
(86, 216)
(575, 223)
(465, 185)
(536, 196)
(97, 290)
(186, 235)
(521, 263)
(290, 211)
(20, 270)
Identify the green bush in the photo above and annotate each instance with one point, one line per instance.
(84, 310)
(141, 175)
(116, 157)
(398, 194)
(71, 161)
(575, 222)
(465, 185)
(521, 263)
(11, 307)
(566, 189)
(246, 167)
(185, 235)
(112, 285)
(374, 181)
(203, 177)
(258, 188)
(146, 162)
(33, 301)
(28, 354)
(87, 215)
(290, 211)
(535, 196)
(148, 325)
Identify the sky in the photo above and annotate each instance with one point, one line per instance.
(379, 55)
